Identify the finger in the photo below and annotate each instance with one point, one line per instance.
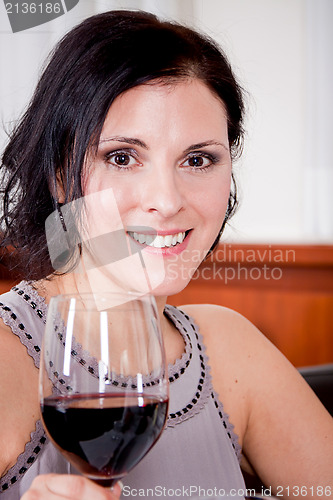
(38, 489)
(79, 488)
(70, 487)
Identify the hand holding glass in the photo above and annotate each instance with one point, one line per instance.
(103, 381)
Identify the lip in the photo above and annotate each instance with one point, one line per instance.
(166, 251)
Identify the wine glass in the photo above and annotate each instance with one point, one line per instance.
(103, 381)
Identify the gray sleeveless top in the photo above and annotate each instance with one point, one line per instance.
(198, 453)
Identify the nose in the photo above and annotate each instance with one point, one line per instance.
(163, 192)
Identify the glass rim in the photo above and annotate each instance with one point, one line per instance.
(135, 295)
(90, 299)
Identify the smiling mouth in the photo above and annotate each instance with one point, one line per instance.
(159, 241)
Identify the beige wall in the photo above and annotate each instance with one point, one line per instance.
(282, 52)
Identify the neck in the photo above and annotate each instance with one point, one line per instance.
(160, 302)
(72, 283)
(174, 344)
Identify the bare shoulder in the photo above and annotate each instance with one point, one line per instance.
(227, 332)
(18, 396)
(285, 432)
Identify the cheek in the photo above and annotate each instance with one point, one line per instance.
(214, 203)
(101, 213)
(126, 200)
(107, 197)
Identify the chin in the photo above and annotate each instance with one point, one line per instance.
(170, 287)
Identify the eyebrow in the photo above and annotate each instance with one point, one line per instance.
(138, 142)
(200, 145)
(127, 140)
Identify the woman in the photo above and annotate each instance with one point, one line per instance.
(141, 119)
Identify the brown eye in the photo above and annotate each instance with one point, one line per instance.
(121, 159)
(196, 161)
(200, 162)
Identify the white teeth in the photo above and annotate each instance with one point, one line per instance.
(158, 241)
(168, 240)
(148, 239)
(142, 237)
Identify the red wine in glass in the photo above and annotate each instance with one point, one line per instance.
(104, 436)
(103, 381)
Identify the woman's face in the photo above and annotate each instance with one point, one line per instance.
(162, 172)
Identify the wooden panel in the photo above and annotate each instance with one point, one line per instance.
(7, 278)
(287, 292)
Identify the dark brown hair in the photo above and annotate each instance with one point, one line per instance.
(94, 63)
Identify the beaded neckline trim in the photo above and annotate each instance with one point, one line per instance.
(90, 364)
(204, 389)
(25, 460)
